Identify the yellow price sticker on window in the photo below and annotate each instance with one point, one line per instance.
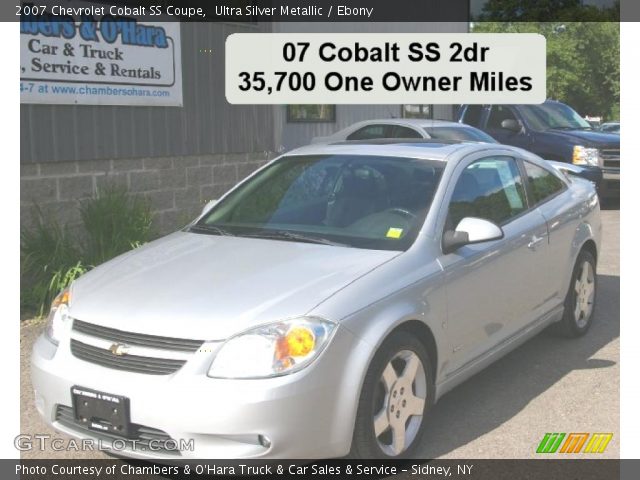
(394, 232)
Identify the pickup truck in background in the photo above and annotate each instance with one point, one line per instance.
(555, 132)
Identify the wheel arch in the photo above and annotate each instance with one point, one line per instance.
(586, 237)
(590, 246)
(424, 334)
(415, 328)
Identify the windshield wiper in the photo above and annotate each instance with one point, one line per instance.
(210, 229)
(294, 237)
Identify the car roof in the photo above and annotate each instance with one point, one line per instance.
(420, 149)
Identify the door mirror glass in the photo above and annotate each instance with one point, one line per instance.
(511, 125)
(470, 230)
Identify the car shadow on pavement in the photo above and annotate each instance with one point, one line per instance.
(610, 204)
(504, 389)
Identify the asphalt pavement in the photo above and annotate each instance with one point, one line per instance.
(549, 384)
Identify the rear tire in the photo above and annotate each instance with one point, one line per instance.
(580, 301)
(397, 393)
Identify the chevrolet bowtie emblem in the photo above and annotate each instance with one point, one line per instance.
(118, 349)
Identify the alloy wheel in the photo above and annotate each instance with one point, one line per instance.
(399, 403)
(585, 290)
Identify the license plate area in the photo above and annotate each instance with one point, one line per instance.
(101, 411)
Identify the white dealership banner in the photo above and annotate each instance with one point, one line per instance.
(385, 68)
(100, 61)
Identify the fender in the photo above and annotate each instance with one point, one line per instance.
(589, 228)
(376, 325)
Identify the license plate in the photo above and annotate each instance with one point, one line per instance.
(101, 412)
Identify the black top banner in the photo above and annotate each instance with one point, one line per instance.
(254, 11)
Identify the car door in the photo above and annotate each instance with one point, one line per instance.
(492, 287)
(551, 196)
(498, 114)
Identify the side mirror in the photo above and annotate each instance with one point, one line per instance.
(470, 230)
(210, 204)
(511, 125)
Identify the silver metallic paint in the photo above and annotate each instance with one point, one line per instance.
(478, 304)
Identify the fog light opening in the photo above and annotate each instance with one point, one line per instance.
(264, 441)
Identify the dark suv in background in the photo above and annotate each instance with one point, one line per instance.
(553, 131)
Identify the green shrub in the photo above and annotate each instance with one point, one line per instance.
(114, 223)
(51, 258)
(44, 250)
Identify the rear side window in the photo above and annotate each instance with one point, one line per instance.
(370, 132)
(473, 115)
(404, 132)
(490, 188)
(543, 183)
(460, 133)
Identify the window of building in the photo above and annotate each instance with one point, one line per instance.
(311, 113)
(417, 111)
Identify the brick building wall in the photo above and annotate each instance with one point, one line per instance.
(176, 187)
(177, 157)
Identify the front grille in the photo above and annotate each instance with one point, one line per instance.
(129, 363)
(143, 436)
(139, 339)
(610, 157)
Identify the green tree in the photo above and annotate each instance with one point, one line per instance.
(583, 62)
(547, 11)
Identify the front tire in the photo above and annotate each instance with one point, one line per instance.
(397, 392)
(580, 301)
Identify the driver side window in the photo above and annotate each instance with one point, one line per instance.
(491, 189)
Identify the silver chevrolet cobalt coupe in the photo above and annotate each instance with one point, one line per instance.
(322, 306)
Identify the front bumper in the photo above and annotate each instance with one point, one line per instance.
(610, 185)
(593, 174)
(307, 414)
(606, 179)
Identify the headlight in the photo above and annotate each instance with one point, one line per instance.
(58, 316)
(272, 350)
(586, 156)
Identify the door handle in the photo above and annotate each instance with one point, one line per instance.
(534, 242)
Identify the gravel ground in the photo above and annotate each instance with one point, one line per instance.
(547, 385)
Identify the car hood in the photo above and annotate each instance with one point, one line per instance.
(210, 287)
(588, 138)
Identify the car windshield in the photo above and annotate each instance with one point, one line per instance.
(372, 202)
(553, 116)
(610, 128)
(463, 134)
